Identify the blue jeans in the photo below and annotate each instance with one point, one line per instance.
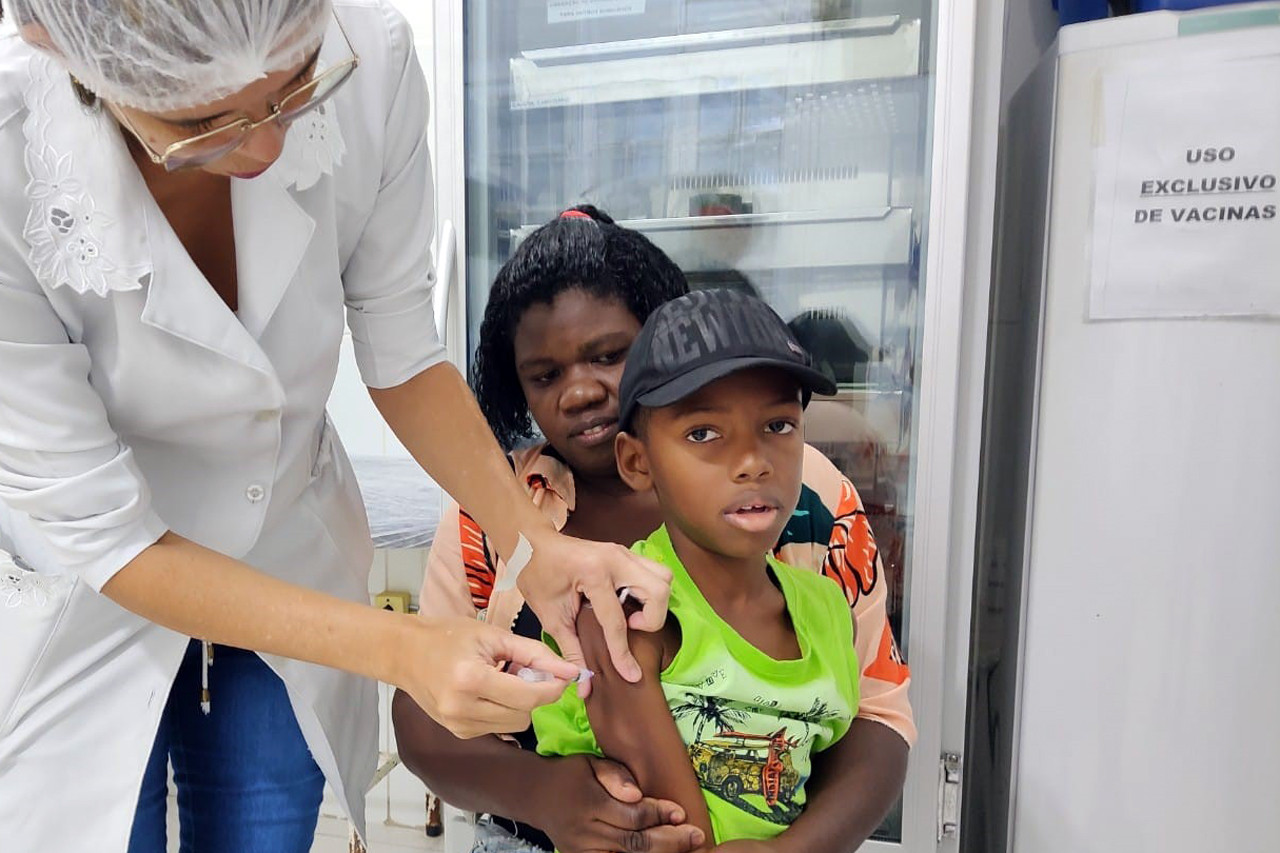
(246, 780)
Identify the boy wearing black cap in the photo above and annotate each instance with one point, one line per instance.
(756, 669)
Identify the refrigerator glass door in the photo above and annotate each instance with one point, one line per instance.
(775, 146)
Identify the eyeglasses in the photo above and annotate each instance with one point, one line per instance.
(204, 148)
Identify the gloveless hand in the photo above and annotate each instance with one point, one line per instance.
(593, 805)
(564, 570)
(453, 669)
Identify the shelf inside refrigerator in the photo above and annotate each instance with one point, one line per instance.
(859, 415)
(795, 56)
(775, 241)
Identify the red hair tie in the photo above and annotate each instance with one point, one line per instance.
(574, 213)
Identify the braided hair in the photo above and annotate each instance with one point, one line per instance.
(583, 248)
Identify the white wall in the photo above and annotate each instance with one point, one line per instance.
(360, 426)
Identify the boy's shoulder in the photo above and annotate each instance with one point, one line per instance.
(657, 547)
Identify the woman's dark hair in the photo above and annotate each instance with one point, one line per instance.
(583, 249)
(83, 95)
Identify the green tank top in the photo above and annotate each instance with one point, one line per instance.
(751, 723)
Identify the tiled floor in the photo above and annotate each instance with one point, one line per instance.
(396, 815)
(331, 837)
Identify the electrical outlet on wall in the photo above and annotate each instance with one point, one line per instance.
(393, 600)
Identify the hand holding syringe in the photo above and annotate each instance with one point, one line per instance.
(537, 676)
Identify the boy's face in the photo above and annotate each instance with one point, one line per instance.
(569, 358)
(725, 462)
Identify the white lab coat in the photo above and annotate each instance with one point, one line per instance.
(132, 401)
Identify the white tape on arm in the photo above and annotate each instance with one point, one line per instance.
(520, 558)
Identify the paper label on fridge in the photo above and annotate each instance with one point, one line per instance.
(563, 11)
(1186, 220)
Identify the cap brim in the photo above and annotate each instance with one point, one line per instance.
(812, 381)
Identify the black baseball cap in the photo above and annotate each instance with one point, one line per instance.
(695, 339)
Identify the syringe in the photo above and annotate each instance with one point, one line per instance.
(537, 676)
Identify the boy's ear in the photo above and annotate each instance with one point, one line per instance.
(633, 462)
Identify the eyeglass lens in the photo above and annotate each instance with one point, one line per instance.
(295, 105)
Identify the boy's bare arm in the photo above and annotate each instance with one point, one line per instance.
(577, 800)
(633, 724)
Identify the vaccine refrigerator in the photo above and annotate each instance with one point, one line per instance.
(1131, 472)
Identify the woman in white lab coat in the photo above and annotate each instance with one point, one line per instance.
(191, 194)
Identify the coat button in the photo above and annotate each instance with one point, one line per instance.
(255, 493)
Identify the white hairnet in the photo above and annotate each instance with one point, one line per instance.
(163, 55)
